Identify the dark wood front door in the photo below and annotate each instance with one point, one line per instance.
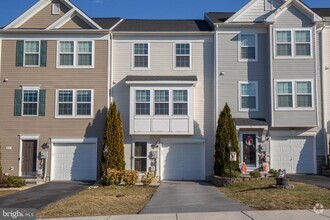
(29, 158)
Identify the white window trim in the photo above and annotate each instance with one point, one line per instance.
(74, 107)
(180, 102)
(133, 155)
(294, 96)
(75, 55)
(175, 55)
(56, 6)
(242, 144)
(171, 102)
(240, 95)
(143, 102)
(293, 43)
(34, 88)
(133, 57)
(170, 95)
(256, 47)
(39, 53)
(27, 137)
(269, 5)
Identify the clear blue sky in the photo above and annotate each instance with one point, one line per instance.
(149, 9)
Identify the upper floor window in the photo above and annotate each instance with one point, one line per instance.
(248, 47)
(74, 103)
(56, 9)
(76, 54)
(30, 101)
(142, 99)
(31, 53)
(294, 94)
(162, 102)
(141, 55)
(248, 96)
(293, 43)
(180, 102)
(182, 55)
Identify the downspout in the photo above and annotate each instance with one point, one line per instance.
(323, 86)
(216, 77)
(271, 74)
(109, 70)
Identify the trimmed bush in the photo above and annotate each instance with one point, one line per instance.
(130, 177)
(147, 178)
(113, 177)
(233, 174)
(14, 182)
(255, 174)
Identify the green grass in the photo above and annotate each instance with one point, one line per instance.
(258, 195)
(109, 200)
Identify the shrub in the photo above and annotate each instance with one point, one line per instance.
(14, 181)
(130, 177)
(232, 174)
(147, 178)
(255, 174)
(112, 177)
(275, 173)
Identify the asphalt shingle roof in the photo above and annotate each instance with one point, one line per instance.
(161, 78)
(250, 122)
(219, 17)
(106, 23)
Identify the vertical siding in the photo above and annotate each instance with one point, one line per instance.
(295, 68)
(235, 71)
(50, 79)
(161, 63)
(44, 18)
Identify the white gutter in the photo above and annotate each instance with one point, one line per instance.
(316, 78)
(271, 74)
(323, 86)
(216, 77)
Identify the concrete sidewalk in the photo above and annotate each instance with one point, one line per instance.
(244, 215)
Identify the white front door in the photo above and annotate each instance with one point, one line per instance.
(183, 161)
(74, 162)
(294, 154)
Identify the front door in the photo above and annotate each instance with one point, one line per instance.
(249, 151)
(29, 157)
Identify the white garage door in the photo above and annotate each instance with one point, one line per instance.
(183, 162)
(74, 162)
(293, 154)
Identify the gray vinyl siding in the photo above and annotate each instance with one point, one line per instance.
(294, 69)
(50, 78)
(235, 71)
(257, 11)
(161, 63)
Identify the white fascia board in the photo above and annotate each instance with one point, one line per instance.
(163, 33)
(64, 19)
(114, 26)
(251, 127)
(84, 140)
(160, 82)
(28, 14)
(292, 133)
(183, 140)
(237, 14)
(86, 17)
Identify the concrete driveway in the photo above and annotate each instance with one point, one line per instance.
(42, 195)
(320, 181)
(184, 197)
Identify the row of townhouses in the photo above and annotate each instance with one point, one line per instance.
(60, 69)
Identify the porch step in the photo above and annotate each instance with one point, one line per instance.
(325, 172)
(32, 179)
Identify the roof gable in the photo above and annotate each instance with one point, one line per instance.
(42, 13)
(76, 23)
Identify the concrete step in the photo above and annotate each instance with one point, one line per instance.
(32, 180)
(325, 172)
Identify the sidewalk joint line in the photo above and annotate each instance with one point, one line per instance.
(247, 215)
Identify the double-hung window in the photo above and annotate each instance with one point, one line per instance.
(162, 106)
(76, 54)
(142, 105)
(140, 156)
(30, 101)
(31, 53)
(182, 55)
(293, 43)
(248, 47)
(248, 95)
(74, 103)
(141, 55)
(294, 94)
(180, 102)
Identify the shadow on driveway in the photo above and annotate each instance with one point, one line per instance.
(183, 197)
(40, 196)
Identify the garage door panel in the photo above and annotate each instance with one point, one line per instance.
(182, 162)
(296, 154)
(74, 162)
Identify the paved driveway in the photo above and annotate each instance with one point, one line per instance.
(183, 197)
(320, 181)
(40, 196)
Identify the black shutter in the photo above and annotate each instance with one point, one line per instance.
(18, 102)
(43, 53)
(19, 52)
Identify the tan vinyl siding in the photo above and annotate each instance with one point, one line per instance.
(161, 63)
(50, 79)
(76, 23)
(44, 18)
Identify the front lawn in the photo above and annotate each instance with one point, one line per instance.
(109, 200)
(7, 192)
(258, 195)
